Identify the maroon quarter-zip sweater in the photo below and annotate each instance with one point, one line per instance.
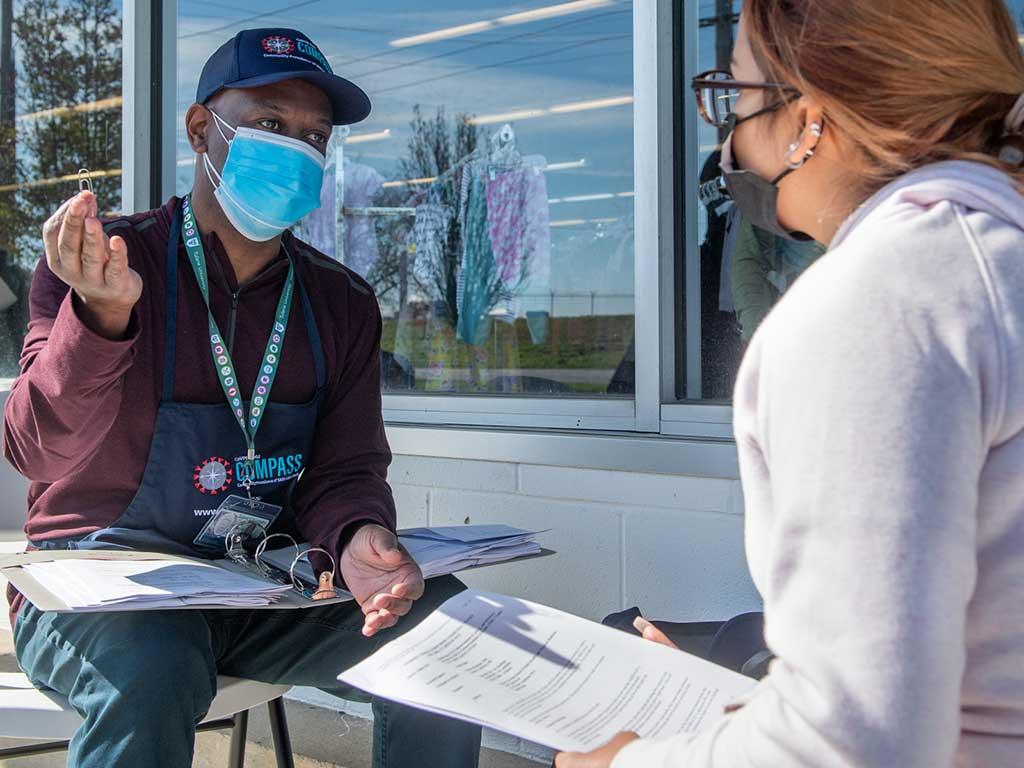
(80, 417)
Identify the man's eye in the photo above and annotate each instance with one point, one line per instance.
(317, 138)
(270, 125)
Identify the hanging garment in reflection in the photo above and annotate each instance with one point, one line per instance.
(430, 234)
(479, 284)
(621, 231)
(519, 223)
(319, 228)
(362, 184)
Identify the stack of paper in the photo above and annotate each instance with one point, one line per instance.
(440, 551)
(103, 585)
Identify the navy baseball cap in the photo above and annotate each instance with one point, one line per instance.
(262, 56)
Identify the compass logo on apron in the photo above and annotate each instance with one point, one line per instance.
(213, 476)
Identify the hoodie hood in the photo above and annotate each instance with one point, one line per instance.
(974, 185)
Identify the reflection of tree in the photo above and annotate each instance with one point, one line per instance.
(437, 144)
(68, 56)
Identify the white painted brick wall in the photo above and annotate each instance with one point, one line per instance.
(671, 544)
(674, 492)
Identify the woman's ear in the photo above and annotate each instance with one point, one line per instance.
(197, 124)
(812, 120)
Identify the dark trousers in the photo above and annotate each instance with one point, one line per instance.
(143, 680)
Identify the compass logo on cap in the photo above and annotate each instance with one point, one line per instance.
(278, 44)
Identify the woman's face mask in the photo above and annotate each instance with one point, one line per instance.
(268, 183)
(756, 198)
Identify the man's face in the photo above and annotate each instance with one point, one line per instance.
(292, 108)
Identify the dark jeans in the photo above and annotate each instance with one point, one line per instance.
(143, 680)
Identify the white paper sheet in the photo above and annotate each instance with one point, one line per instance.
(467, 534)
(546, 676)
(438, 551)
(95, 584)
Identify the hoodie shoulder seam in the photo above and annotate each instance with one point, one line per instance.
(995, 310)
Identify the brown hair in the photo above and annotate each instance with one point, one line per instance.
(903, 82)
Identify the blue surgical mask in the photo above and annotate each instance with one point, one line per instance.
(268, 183)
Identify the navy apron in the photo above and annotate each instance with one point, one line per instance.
(198, 451)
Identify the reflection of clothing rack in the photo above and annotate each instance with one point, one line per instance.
(376, 210)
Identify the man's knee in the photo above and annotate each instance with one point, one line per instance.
(169, 659)
(137, 663)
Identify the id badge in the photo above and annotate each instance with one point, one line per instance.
(248, 518)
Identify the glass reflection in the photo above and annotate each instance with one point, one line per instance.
(488, 199)
(744, 270)
(60, 110)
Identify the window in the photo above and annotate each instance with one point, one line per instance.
(489, 197)
(743, 270)
(735, 272)
(60, 110)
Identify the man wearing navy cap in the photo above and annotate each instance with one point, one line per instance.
(183, 361)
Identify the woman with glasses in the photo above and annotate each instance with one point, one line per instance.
(879, 411)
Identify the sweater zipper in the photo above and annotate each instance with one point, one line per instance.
(231, 321)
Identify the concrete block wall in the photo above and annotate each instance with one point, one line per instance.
(671, 544)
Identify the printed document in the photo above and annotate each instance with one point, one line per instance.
(545, 675)
(98, 585)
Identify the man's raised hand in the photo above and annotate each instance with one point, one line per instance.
(93, 265)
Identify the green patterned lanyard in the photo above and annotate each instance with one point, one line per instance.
(221, 355)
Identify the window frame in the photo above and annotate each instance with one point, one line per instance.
(149, 80)
(684, 410)
(665, 37)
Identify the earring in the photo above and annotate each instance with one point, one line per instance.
(793, 166)
(815, 130)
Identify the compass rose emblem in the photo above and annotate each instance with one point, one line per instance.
(213, 476)
(278, 44)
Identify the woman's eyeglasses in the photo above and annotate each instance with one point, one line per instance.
(717, 93)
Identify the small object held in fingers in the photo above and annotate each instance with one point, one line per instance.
(84, 180)
(325, 589)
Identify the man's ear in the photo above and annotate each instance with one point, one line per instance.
(197, 126)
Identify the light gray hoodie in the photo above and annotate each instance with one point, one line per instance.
(878, 417)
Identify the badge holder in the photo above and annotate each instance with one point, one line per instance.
(251, 515)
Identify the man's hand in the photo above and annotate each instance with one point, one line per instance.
(93, 265)
(599, 758)
(382, 577)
